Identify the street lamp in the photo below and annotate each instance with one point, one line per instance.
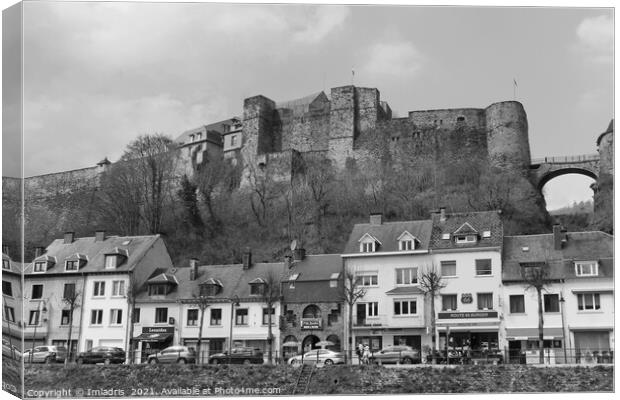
(562, 301)
(234, 301)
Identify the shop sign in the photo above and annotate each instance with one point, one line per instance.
(476, 314)
(158, 329)
(311, 323)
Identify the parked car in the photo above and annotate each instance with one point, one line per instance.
(239, 355)
(102, 354)
(10, 351)
(173, 354)
(396, 354)
(45, 354)
(318, 356)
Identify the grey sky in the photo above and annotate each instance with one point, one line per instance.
(99, 74)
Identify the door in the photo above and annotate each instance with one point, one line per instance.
(361, 314)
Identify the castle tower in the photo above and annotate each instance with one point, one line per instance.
(605, 144)
(258, 138)
(342, 125)
(507, 136)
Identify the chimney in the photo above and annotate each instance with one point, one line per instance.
(193, 269)
(442, 214)
(38, 251)
(375, 218)
(69, 236)
(5, 249)
(288, 261)
(299, 254)
(247, 258)
(559, 237)
(99, 236)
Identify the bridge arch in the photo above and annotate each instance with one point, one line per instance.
(544, 179)
(545, 169)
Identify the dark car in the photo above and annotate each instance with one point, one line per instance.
(45, 354)
(396, 354)
(239, 355)
(174, 354)
(102, 354)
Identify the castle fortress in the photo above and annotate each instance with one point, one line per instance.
(346, 126)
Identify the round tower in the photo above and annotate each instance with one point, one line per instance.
(605, 144)
(507, 136)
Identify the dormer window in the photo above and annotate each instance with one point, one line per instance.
(72, 265)
(199, 136)
(115, 258)
(6, 264)
(257, 287)
(406, 242)
(75, 262)
(211, 287)
(43, 263)
(111, 261)
(292, 279)
(162, 284)
(465, 239)
(40, 266)
(191, 138)
(333, 279)
(369, 244)
(160, 289)
(586, 268)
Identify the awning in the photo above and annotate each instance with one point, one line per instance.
(153, 337)
(532, 333)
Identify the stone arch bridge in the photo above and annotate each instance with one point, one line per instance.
(547, 168)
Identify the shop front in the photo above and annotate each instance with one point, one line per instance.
(470, 336)
(523, 345)
(593, 346)
(153, 339)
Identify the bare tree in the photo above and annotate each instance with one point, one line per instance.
(431, 284)
(202, 299)
(352, 292)
(71, 300)
(270, 294)
(536, 276)
(131, 293)
(154, 159)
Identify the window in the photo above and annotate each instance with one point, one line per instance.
(162, 290)
(292, 280)
(69, 291)
(72, 265)
(483, 267)
(6, 264)
(406, 244)
(460, 119)
(589, 301)
(40, 266)
(118, 288)
(9, 314)
(233, 140)
(191, 138)
(96, 317)
(136, 316)
(99, 289)
(192, 317)
(406, 276)
(33, 318)
(448, 302)
(37, 291)
(256, 289)
(372, 309)
(199, 136)
(586, 268)
(368, 280)
(551, 303)
(161, 315)
(485, 301)
(367, 247)
(116, 316)
(448, 268)
(405, 307)
(517, 304)
(266, 316)
(7, 288)
(216, 316)
(465, 239)
(110, 261)
(241, 316)
(65, 317)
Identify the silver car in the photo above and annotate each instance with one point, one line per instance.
(45, 354)
(318, 356)
(174, 355)
(396, 354)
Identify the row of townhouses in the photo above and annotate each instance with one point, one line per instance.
(484, 303)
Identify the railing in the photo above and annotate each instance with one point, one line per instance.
(369, 322)
(565, 159)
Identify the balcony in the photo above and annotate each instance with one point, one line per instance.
(370, 322)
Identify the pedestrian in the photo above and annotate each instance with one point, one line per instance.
(360, 352)
(366, 355)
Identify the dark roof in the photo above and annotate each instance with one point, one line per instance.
(313, 284)
(316, 267)
(579, 246)
(478, 221)
(16, 267)
(134, 246)
(388, 233)
(302, 105)
(213, 133)
(610, 129)
(405, 290)
(234, 279)
(164, 278)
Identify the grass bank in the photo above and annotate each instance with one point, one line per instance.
(174, 380)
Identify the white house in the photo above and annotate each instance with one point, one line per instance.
(386, 258)
(578, 306)
(466, 250)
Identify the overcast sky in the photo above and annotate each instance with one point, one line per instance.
(99, 74)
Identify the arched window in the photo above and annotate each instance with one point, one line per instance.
(312, 311)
